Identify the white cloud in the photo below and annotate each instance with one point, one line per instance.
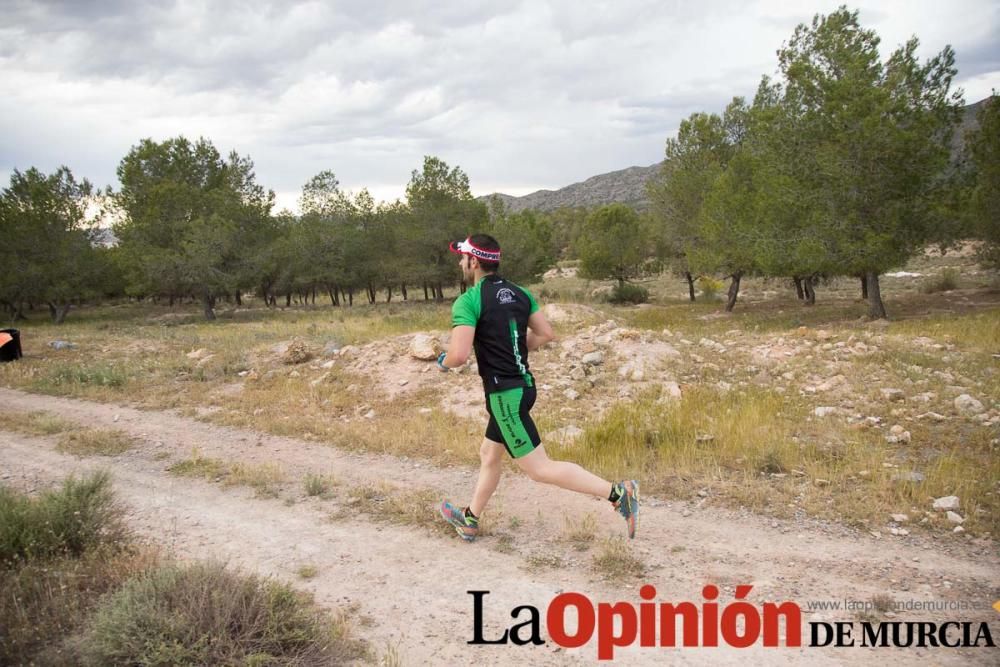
(521, 95)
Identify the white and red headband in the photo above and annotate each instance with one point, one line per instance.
(466, 248)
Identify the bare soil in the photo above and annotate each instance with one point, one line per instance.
(406, 586)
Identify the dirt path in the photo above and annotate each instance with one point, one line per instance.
(409, 584)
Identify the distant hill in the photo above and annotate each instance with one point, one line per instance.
(628, 186)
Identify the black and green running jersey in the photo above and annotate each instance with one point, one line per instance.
(499, 311)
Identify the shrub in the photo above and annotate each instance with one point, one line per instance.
(710, 288)
(45, 602)
(204, 614)
(80, 516)
(628, 293)
(946, 281)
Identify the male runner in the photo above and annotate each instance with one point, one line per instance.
(502, 322)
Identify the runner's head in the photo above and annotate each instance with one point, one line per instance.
(479, 249)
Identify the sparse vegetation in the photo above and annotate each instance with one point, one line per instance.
(264, 478)
(616, 561)
(307, 571)
(318, 485)
(581, 532)
(78, 591)
(161, 618)
(34, 423)
(95, 442)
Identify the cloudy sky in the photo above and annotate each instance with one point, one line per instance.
(520, 95)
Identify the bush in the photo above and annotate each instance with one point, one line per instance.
(945, 282)
(628, 293)
(45, 602)
(79, 517)
(710, 288)
(58, 553)
(204, 614)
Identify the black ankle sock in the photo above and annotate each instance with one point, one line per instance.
(616, 493)
(470, 515)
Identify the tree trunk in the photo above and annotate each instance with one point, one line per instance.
(439, 292)
(288, 300)
(876, 309)
(690, 281)
(864, 288)
(208, 302)
(734, 291)
(239, 299)
(388, 293)
(426, 297)
(350, 297)
(798, 288)
(808, 286)
(402, 290)
(58, 311)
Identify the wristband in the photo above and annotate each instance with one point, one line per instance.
(441, 361)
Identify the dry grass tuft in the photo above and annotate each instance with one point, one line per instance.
(580, 533)
(35, 423)
(318, 485)
(95, 442)
(617, 561)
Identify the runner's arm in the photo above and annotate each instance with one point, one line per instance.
(539, 330)
(460, 345)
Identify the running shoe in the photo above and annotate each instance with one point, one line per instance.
(466, 527)
(628, 504)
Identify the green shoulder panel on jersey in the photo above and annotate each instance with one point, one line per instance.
(468, 307)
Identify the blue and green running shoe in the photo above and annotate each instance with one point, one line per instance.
(628, 504)
(466, 527)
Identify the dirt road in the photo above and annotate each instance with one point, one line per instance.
(408, 585)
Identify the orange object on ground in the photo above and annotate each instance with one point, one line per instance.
(5, 338)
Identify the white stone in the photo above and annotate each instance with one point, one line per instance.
(424, 347)
(954, 517)
(593, 358)
(967, 405)
(824, 411)
(958, 529)
(571, 394)
(946, 503)
(901, 532)
(899, 518)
